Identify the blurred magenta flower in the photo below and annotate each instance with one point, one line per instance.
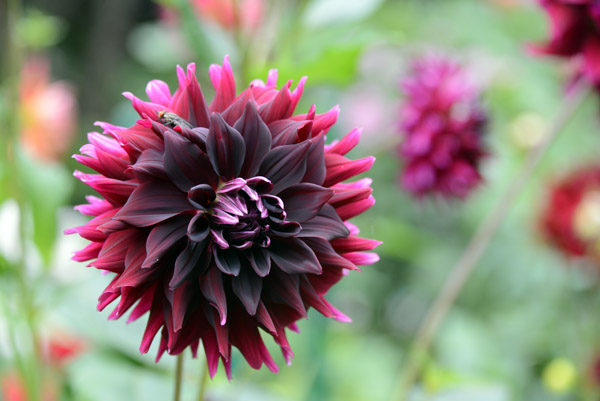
(48, 112)
(232, 14)
(225, 218)
(570, 220)
(574, 34)
(443, 124)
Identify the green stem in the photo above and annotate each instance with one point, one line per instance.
(203, 382)
(178, 376)
(464, 267)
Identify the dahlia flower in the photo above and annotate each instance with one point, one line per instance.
(48, 112)
(223, 219)
(442, 123)
(571, 218)
(574, 34)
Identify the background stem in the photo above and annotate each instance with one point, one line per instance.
(479, 242)
(203, 383)
(178, 375)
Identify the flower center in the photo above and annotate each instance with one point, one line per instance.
(239, 214)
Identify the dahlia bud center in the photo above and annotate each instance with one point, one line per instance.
(238, 214)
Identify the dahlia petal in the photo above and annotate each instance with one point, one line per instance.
(151, 203)
(199, 116)
(354, 209)
(326, 224)
(158, 92)
(354, 244)
(247, 286)
(327, 256)
(312, 298)
(198, 228)
(260, 261)
(339, 168)
(257, 138)
(182, 296)
(323, 122)
(263, 317)
(150, 164)
(233, 113)
(315, 162)
(145, 108)
(228, 261)
(95, 207)
(293, 256)
(288, 132)
(246, 338)
(224, 84)
(347, 143)
(91, 251)
(361, 258)
(114, 250)
(144, 303)
(285, 165)
(192, 259)
(186, 164)
(209, 342)
(162, 237)
(115, 191)
(286, 290)
(279, 107)
(225, 147)
(155, 322)
(211, 285)
(303, 201)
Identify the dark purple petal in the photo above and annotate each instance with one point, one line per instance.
(326, 224)
(150, 164)
(197, 105)
(288, 132)
(228, 261)
(198, 228)
(211, 285)
(247, 286)
(201, 195)
(153, 202)
(186, 164)
(257, 138)
(225, 147)
(162, 237)
(293, 256)
(315, 162)
(286, 229)
(285, 165)
(194, 259)
(260, 261)
(303, 201)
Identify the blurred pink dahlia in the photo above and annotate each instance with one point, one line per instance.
(574, 34)
(225, 218)
(442, 123)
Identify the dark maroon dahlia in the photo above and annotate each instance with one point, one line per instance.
(223, 219)
(442, 124)
(574, 34)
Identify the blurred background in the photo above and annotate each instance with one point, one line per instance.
(526, 325)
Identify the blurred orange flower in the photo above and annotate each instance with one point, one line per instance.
(230, 14)
(48, 112)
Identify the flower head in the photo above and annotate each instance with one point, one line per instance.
(48, 112)
(574, 34)
(442, 123)
(571, 218)
(225, 218)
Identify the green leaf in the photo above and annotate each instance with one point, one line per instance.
(46, 187)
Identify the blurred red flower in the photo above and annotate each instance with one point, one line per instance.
(571, 218)
(443, 124)
(48, 112)
(574, 34)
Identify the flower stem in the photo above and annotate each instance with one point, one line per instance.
(479, 242)
(203, 383)
(178, 375)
